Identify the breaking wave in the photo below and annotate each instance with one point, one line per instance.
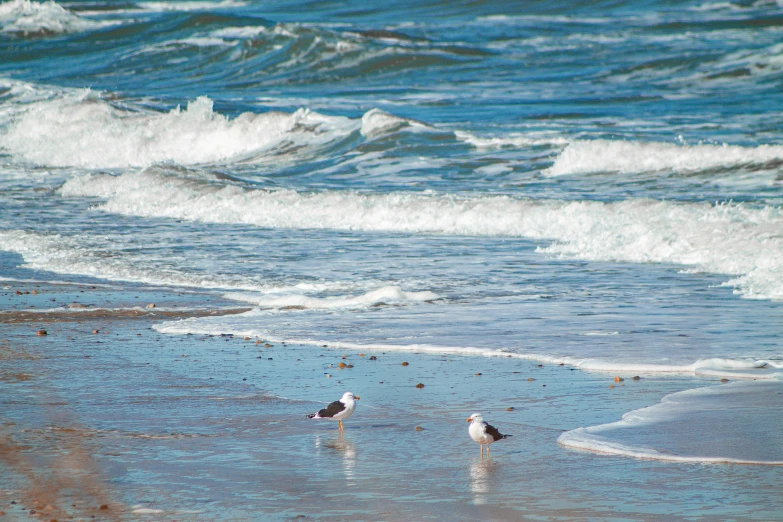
(730, 239)
(29, 18)
(82, 130)
(599, 156)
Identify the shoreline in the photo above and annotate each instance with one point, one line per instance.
(157, 418)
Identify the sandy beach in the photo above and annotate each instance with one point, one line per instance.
(104, 418)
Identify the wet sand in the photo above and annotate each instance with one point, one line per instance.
(131, 424)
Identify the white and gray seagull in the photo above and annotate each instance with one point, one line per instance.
(482, 432)
(338, 410)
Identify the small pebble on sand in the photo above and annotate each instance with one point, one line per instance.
(341, 365)
(530, 379)
(617, 378)
(419, 428)
(247, 338)
(373, 358)
(420, 385)
(611, 386)
(724, 380)
(405, 363)
(479, 373)
(361, 355)
(95, 331)
(42, 332)
(636, 378)
(510, 408)
(267, 345)
(151, 305)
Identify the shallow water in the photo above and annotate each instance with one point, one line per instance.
(203, 428)
(597, 186)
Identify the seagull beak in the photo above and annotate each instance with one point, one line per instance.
(469, 419)
(356, 397)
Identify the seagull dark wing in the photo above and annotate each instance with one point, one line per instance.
(332, 410)
(493, 431)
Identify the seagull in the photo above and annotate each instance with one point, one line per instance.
(338, 410)
(483, 433)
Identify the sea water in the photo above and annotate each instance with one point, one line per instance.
(597, 185)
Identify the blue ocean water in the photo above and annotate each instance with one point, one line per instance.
(595, 184)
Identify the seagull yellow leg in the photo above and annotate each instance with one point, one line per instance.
(340, 423)
(487, 450)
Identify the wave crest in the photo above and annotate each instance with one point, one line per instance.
(80, 129)
(28, 18)
(85, 131)
(599, 156)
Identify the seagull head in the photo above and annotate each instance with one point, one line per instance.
(476, 417)
(348, 396)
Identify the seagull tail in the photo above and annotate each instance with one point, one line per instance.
(505, 436)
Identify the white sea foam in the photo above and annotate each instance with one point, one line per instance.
(239, 33)
(584, 157)
(203, 41)
(251, 324)
(700, 425)
(376, 122)
(511, 140)
(25, 17)
(83, 130)
(539, 19)
(724, 239)
(190, 6)
(299, 290)
(383, 295)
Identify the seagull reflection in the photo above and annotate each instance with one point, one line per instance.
(480, 472)
(344, 447)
